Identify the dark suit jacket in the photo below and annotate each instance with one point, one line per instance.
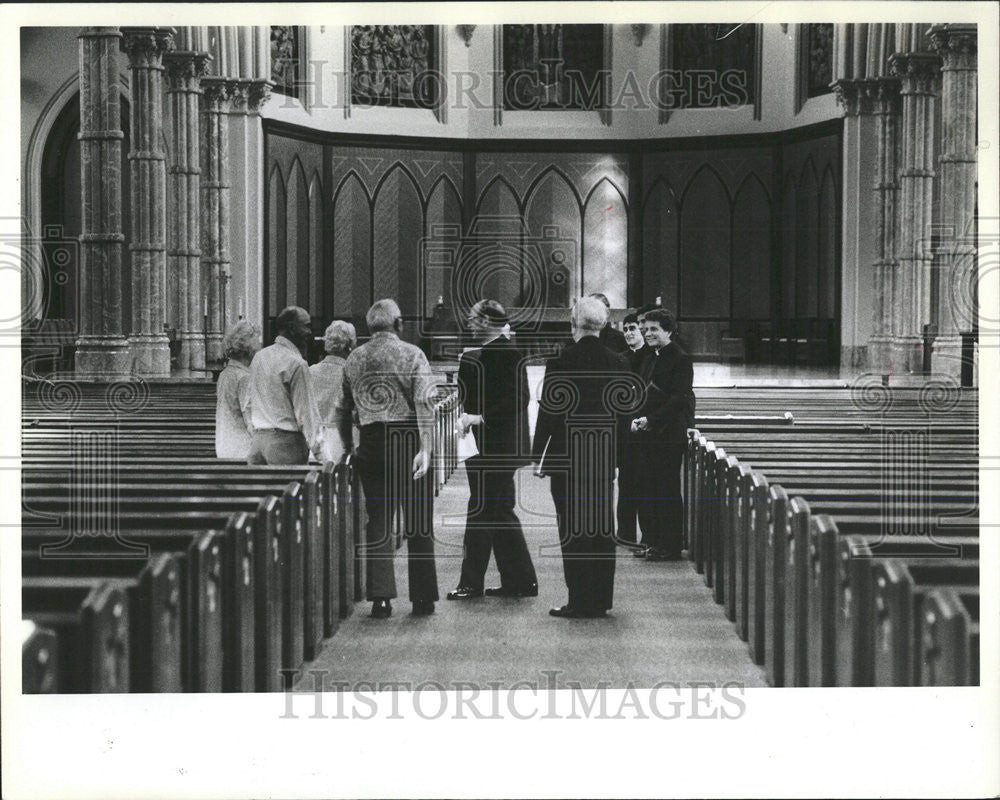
(493, 382)
(576, 387)
(669, 402)
(613, 339)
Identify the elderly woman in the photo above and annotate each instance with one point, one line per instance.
(327, 377)
(233, 429)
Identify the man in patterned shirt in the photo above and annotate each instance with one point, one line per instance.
(390, 385)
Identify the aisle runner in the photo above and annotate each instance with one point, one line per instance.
(664, 626)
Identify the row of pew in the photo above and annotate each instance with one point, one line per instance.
(845, 550)
(148, 565)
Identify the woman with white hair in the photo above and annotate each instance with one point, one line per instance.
(327, 379)
(233, 428)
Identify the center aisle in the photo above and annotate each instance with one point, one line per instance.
(664, 625)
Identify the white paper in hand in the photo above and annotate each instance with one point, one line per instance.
(466, 446)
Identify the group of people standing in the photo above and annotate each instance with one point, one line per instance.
(611, 406)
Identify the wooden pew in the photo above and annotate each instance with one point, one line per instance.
(39, 659)
(91, 625)
(855, 557)
(212, 508)
(898, 593)
(726, 497)
(154, 590)
(949, 638)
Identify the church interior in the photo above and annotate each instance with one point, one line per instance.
(802, 197)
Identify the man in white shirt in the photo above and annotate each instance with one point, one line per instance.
(283, 409)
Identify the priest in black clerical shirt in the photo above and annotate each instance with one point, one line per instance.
(628, 469)
(661, 432)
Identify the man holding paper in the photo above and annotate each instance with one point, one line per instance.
(493, 385)
(585, 396)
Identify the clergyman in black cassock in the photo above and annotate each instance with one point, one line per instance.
(578, 436)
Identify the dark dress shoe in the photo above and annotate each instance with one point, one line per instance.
(381, 609)
(654, 554)
(464, 593)
(641, 552)
(503, 591)
(423, 608)
(565, 612)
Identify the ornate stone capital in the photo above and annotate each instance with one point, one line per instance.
(918, 72)
(145, 46)
(184, 67)
(258, 94)
(858, 96)
(885, 94)
(239, 89)
(215, 90)
(846, 92)
(956, 44)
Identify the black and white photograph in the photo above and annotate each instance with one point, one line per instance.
(387, 389)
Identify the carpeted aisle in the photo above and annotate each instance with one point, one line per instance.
(664, 625)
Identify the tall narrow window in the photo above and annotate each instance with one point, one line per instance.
(553, 67)
(713, 65)
(286, 59)
(394, 65)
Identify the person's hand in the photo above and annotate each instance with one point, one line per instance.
(421, 463)
(466, 421)
(640, 424)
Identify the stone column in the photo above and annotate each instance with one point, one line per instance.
(185, 69)
(956, 44)
(102, 349)
(859, 242)
(886, 105)
(918, 74)
(147, 164)
(247, 240)
(216, 95)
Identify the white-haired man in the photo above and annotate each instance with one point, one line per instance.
(327, 377)
(390, 385)
(578, 437)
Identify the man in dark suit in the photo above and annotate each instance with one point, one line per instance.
(493, 384)
(578, 437)
(611, 338)
(661, 431)
(629, 468)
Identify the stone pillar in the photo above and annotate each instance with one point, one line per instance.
(956, 44)
(247, 224)
(216, 95)
(859, 242)
(147, 164)
(102, 349)
(886, 105)
(918, 74)
(184, 71)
